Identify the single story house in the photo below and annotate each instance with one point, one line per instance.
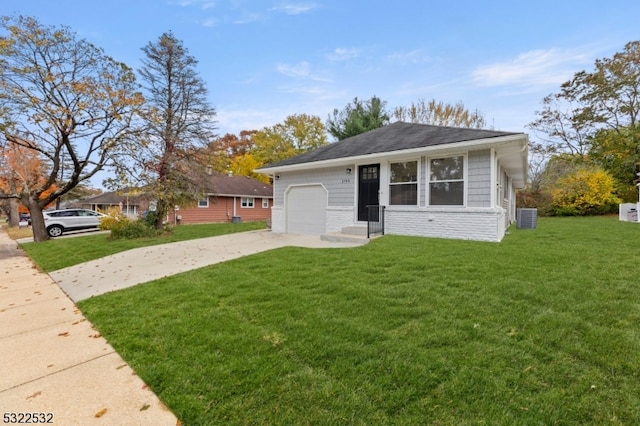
(130, 202)
(433, 181)
(228, 198)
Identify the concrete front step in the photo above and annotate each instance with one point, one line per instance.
(338, 237)
(355, 230)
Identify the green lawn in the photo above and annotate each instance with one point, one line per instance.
(541, 329)
(58, 253)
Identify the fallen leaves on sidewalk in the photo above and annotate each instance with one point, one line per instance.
(101, 413)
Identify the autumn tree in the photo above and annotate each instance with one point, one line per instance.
(20, 169)
(65, 100)
(357, 117)
(222, 152)
(439, 114)
(178, 122)
(606, 98)
(618, 152)
(586, 190)
(297, 134)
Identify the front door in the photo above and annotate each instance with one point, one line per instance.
(368, 188)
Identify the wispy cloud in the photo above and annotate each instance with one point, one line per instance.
(343, 54)
(534, 68)
(211, 22)
(202, 4)
(248, 18)
(295, 8)
(417, 56)
(301, 70)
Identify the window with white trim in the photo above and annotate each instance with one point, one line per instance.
(265, 203)
(203, 202)
(403, 183)
(446, 181)
(247, 202)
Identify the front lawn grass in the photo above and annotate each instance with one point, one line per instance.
(543, 328)
(58, 253)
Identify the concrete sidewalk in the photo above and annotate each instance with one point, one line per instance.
(53, 361)
(145, 264)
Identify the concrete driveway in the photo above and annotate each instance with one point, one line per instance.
(145, 264)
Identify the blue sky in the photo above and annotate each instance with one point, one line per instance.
(263, 60)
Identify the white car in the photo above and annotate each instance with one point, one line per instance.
(58, 222)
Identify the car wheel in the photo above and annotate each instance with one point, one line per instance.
(55, 230)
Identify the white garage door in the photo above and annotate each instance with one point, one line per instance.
(306, 209)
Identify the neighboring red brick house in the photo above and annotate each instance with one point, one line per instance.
(229, 198)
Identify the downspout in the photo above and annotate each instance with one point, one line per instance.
(493, 183)
(234, 206)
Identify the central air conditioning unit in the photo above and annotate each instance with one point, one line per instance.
(526, 218)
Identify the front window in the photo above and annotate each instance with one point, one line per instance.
(265, 203)
(403, 184)
(203, 202)
(247, 202)
(446, 181)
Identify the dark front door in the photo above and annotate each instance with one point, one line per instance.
(368, 188)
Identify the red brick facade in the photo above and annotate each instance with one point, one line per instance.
(224, 208)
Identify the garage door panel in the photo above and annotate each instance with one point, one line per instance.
(306, 210)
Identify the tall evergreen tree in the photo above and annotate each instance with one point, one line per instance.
(358, 117)
(178, 120)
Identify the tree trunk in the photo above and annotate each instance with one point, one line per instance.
(37, 220)
(14, 215)
(161, 212)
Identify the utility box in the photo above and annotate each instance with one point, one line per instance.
(236, 219)
(526, 218)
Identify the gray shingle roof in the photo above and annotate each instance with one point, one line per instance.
(393, 137)
(220, 184)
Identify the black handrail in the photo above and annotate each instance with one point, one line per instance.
(375, 220)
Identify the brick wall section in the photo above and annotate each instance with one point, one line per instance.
(278, 223)
(221, 210)
(465, 224)
(339, 217)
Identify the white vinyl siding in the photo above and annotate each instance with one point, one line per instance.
(479, 179)
(340, 184)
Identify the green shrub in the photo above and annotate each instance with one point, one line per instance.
(128, 229)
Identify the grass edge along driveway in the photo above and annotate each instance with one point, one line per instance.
(58, 253)
(539, 329)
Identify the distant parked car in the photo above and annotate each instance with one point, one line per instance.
(25, 219)
(58, 222)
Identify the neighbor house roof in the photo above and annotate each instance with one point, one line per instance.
(237, 186)
(113, 198)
